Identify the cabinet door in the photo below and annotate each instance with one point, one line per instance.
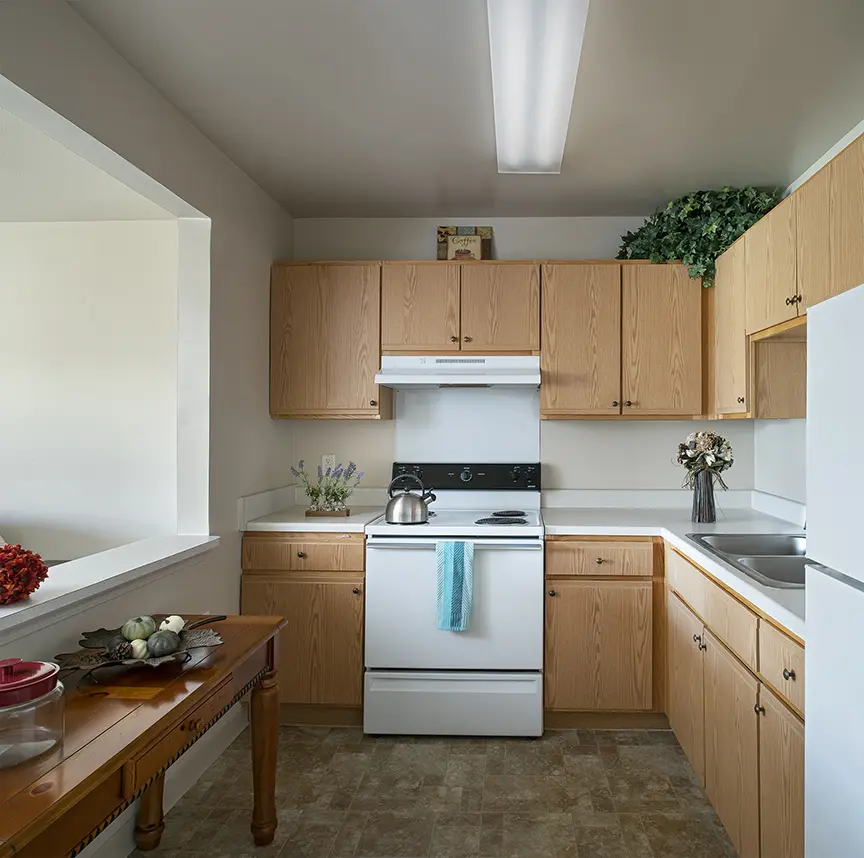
(731, 346)
(846, 216)
(321, 647)
(661, 341)
(771, 268)
(324, 340)
(813, 240)
(580, 360)
(598, 645)
(781, 772)
(685, 700)
(500, 307)
(732, 745)
(419, 307)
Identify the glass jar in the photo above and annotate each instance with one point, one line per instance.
(31, 710)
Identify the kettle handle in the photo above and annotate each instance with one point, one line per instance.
(402, 477)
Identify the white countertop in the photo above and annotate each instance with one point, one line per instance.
(786, 607)
(293, 519)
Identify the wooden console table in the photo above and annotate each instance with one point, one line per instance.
(122, 734)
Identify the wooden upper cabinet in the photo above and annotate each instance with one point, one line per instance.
(684, 693)
(500, 307)
(580, 361)
(419, 307)
(813, 244)
(732, 745)
(661, 349)
(847, 217)
(731, 346)
(771, 268)
(781, 778)
(325, 341)
(598, 645)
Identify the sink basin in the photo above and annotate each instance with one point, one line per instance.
(772, 559)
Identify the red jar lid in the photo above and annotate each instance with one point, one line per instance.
(21, 681)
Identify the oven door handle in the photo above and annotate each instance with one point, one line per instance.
(510, 544)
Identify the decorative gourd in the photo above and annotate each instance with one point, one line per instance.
(172, 624)
(138, 628)
(163, 643)
(139, 648)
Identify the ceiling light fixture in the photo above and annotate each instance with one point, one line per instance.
(535, 47)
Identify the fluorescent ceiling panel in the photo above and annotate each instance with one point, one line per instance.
(535, 47)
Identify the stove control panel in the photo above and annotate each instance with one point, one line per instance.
(476, 477)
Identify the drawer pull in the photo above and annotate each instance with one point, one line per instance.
(195, 725)
(301, 554)
(788, 674)
(356, 591)
(599, 561)
(552, 593)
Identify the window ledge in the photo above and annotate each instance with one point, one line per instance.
(83, 580)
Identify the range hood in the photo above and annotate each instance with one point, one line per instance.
(417, 371)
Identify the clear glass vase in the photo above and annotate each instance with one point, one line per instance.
(704, 510)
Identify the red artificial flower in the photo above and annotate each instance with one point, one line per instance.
(21, 572)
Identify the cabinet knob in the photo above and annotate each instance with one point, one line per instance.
(759, 710)
(552, 593)
(599, 561)
(373, 402)
(614, 403)
(741, 400)
(356, 591)
(788, 674)
(195, 725)
(697, 638)
(628, 403)
(301, 554)
(468, 339)
(454, 339)
(703, 646)
(788, 301)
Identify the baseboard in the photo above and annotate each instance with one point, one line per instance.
(606, 720)
(325, 716)
(117, 841)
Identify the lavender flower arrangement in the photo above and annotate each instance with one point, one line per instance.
(331, 489)
(705, 452)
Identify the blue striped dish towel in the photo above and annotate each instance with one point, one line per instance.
(455, 562)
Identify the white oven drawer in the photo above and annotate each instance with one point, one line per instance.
(448, 704)
(506, 629)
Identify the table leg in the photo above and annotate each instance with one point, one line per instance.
(265, 741)
(150, 825)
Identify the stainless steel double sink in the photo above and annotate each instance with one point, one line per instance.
(772, 559)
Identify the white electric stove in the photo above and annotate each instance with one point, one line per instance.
(483, 681)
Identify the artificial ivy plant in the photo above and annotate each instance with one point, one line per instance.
(698, 227)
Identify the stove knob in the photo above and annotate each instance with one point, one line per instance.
(466, 476)
(515, 475)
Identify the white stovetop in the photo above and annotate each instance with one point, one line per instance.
(461, 522)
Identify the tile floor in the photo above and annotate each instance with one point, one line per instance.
(573, 793)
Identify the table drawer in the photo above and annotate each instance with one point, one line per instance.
(267, 554)
(140, 770)
(687, 581)
(781, 662)
(600, 558)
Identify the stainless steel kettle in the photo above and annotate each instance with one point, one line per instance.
(406, 507)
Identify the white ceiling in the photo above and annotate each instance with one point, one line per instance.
(41, 180)
(384, 107)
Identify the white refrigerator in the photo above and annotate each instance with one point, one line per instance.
(834, 652)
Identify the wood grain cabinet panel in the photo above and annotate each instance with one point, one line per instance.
(597, 558)
(661, 359)
(781, 662)
(732, 746)
(735, 624)
(580, 361)
(813, 244)
(781, 778)
(685, 691)
(500, 307)
(730, 335)
(846, 217)
(321, 647)
(771, 268)
(598, 645)
(419, 307)
(265, 553)
(686, 580)
(325, 341)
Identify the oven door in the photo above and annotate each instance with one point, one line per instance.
(506, 629)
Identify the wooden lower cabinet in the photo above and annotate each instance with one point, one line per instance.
(781, 778)
(321, 647)
(732, 745)
(685, 691)
(598, 645)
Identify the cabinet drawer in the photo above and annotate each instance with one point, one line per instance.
(137, 772)
(599, 558)
(781, 662)
(731, 622)
(687, 581)
(262, 554)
